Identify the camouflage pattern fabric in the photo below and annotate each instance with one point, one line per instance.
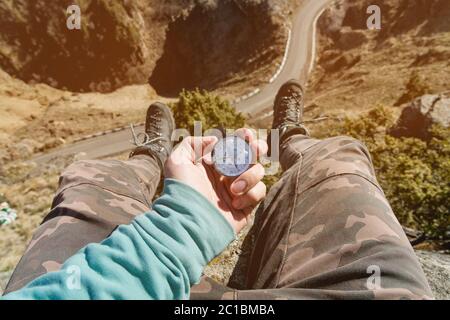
(93, 198)
(325, 230)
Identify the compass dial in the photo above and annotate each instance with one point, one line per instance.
(232, 156)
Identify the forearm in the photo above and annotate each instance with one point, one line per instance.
(158, 256)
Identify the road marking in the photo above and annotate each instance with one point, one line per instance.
(285, 57)
(314, 41)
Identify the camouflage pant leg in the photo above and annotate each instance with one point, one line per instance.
(325, 231)
(93, 198)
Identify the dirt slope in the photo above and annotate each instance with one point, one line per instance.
(178, 43)
(358, 68)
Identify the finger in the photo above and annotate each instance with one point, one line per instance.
(251, 198)
(208, 147)
(182, 154)
(199, 146)
(246, 134)
(248, 180)
(259, 148)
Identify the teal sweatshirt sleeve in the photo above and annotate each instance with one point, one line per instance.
(160, 255)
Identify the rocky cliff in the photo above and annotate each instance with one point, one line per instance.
(177, 43)
(358, 69)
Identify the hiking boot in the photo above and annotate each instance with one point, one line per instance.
(288, 111)
(157, 142)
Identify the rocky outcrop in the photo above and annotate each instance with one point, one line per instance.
(37, 46)
(437, 269)
(413, 38)
(420, 115)
(4, 277)
(210, 43)
(122, 42)
(398, 16)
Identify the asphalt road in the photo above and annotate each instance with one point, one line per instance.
(300, 56)
(298, 65)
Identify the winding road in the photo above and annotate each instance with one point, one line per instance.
(299, 63)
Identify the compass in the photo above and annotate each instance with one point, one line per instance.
(232, 156)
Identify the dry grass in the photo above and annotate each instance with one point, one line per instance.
(29, 190)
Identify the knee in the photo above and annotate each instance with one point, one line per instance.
(340, 155)
(350, 145)
(347, 140)
(77, 167)
(75, 172)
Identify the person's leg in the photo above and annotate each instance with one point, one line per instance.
(326, 230)
(93, 198)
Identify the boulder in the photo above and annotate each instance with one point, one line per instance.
(418, 117)
(437, 269)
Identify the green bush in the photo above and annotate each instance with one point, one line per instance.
(414, 174)
(211, 110)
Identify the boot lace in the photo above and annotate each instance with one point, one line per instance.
(152, 138)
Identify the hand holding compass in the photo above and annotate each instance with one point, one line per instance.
(231, 181)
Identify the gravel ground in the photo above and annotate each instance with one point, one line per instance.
(4, 277)
(437, 269)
